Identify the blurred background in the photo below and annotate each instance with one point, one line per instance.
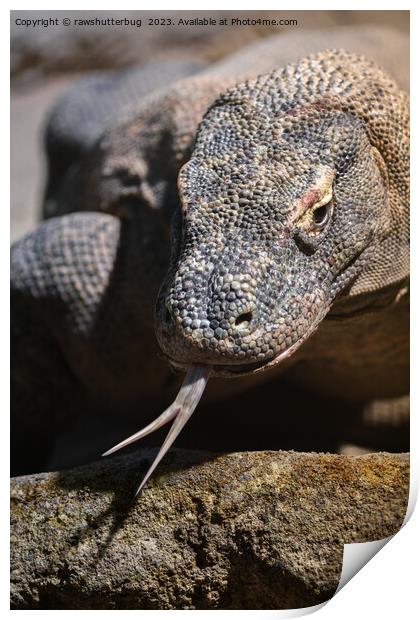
(44, 61)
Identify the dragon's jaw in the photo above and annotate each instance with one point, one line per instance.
(235, 370)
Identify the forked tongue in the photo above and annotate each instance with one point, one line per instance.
(181, 409)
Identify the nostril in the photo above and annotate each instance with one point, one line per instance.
(243, 320)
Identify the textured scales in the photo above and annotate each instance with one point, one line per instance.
(290, 218)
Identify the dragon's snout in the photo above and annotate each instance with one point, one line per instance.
(241, 320)
(215, 323)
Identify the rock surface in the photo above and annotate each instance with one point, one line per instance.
(261, 530)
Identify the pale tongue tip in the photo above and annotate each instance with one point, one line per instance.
(194, 383)
(181, 409)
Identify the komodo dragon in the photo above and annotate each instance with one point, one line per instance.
(282, 190)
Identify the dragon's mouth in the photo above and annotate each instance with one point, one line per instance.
(224, 370)
(230, 371)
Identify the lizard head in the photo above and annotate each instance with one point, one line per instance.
(281, 205)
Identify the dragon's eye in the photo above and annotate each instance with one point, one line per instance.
(321, 212)
(321, 215)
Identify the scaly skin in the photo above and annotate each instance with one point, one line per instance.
(291, 221)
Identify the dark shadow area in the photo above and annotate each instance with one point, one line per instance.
(281, 416)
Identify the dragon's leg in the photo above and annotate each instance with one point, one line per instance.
(82, 305)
